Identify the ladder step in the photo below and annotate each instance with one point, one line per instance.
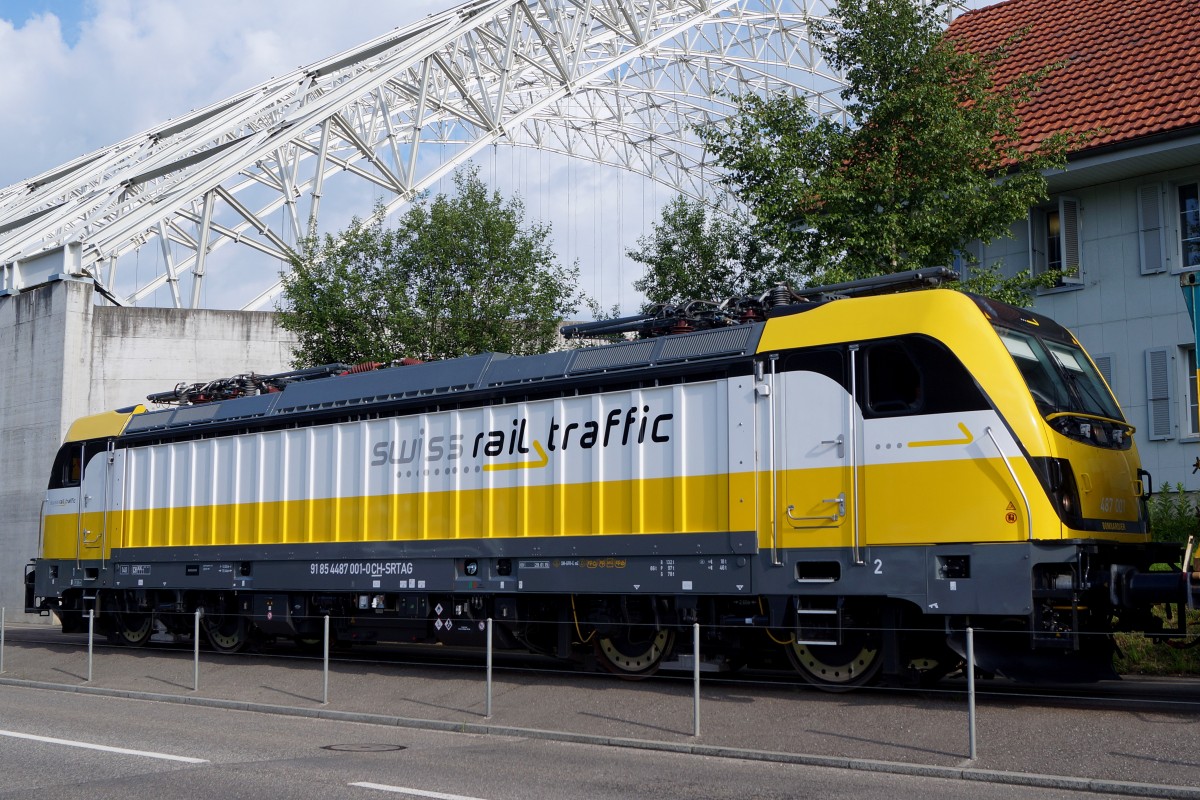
(819, 627)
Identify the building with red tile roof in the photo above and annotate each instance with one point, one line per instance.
(1125, 213)
(1131, 66)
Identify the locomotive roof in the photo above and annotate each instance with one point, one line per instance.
(482, 378)
(486, 372)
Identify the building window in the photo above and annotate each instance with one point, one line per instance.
(1189, 225)
(1055, 242)
(1192, 426)
(1162, 404)
(1054, 259)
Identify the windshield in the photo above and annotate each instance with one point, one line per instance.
(1060, 376)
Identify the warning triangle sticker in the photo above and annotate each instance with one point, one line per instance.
(1011, 507)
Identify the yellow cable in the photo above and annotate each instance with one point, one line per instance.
(578, 632)
(770, 635)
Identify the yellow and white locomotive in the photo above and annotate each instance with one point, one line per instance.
(848, 475)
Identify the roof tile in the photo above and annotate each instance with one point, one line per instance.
(1132, 65)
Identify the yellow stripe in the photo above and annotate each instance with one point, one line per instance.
(678, 505)
(911, 503)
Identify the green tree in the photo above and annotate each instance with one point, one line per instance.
(928, 158)
(456, 276)
(694, 252)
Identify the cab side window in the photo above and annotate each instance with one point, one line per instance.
(894, 383)
(68, 466)
(829, 362)
(915, 375)
(71, 461)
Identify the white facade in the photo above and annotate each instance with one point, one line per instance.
(1127, 217)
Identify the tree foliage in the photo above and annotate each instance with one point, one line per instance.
(928, 158)
(694, 252)
(456, 276)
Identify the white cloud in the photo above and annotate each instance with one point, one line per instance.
(137, 64)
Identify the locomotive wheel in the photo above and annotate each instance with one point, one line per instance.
(634, 652)
(133, 630)
(227, 633)
(839, 667)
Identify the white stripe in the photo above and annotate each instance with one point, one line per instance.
(105, 748)
(383, 787)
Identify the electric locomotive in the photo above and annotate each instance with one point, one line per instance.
(846, 477)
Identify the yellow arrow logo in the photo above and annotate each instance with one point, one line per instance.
(968, 437)
(542, 461)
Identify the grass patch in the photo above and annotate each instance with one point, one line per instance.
(1174, 516)
(1140, 655)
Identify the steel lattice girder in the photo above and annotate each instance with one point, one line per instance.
(616, 82)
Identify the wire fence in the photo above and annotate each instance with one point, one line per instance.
(686, 664)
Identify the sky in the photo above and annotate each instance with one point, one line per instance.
(83, 74)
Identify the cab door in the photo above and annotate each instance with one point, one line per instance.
(815, 417)
(94, 490)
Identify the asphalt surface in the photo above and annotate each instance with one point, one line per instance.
(1133, 738)
(72, 746)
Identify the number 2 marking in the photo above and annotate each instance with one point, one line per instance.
(879, 566)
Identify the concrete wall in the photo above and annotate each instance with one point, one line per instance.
(64, 357)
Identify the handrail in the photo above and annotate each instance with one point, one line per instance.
(42, 527)
(771, 460)
(1017, 483)
(852, 425)
(841, 512)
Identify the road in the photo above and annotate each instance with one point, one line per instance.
(775, 737)
(238, 754)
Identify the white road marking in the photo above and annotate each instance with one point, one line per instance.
(383, 787)
(105, 748)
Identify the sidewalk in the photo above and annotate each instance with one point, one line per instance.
(926, 732)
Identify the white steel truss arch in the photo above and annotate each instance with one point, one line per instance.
(622, 83)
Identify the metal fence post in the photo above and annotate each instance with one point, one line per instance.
(696, 678)
(971, 693)
(91, 632)
(2, 610)
(196, 652)
(488, 709)
(325, 668)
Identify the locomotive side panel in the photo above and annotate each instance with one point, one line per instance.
(644, 461)
(942, 478)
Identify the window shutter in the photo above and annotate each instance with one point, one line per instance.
(1072, 242)
(1104, 363)
(1150, 229)
(1158, 393)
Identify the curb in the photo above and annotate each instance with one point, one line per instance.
(1033, 780)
